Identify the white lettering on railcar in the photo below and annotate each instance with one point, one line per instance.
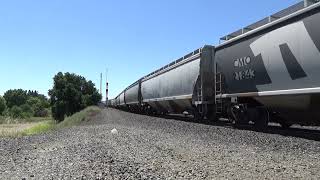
(245, 74)
(241, 62)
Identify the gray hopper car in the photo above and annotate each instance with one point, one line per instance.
(133, 96)
(268, 71)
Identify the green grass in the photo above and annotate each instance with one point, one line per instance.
(9, 120)
(39, 128)
(15, 128)
(79, 117)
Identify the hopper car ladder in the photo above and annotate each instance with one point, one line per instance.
(199, 95)
(218, 93)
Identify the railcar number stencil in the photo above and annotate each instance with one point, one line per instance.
(244, 74)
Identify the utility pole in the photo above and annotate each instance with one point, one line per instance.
(107, 87)
(101, 83)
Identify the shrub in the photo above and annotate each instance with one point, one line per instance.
(27, 111)
(16, 112)
(41, 113)
(38, 106)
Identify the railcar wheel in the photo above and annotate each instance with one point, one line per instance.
(149, 111)
(261, 122)
(211, 115)
(283, 122)
(242, 121)
(239, 115)
(198, 117)
(285, 125)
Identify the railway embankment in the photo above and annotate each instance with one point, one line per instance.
(160, 148)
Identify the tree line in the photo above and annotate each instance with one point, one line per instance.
(70, 94)
(19, 103)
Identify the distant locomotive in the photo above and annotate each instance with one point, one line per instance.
(268, 71)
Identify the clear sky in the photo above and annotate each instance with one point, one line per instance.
(39, 38)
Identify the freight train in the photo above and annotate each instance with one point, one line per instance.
(267, 71)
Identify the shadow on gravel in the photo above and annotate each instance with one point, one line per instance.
(310, 134)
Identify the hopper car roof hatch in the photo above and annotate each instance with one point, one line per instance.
(290, 10)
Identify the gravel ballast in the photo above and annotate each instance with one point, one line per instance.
(157, 148)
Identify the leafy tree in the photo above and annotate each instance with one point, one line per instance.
(16, 97)
(44, 100)
(32, 101)
(71, 93)
(3, 105)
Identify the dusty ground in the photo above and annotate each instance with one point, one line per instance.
(157, 148)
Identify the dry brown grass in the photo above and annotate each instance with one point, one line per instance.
(22, 127)
(14, 129)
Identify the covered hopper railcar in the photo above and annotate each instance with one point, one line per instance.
(268, 71)
(133, 97)
(182, 85)
(122, 102)
(276, 66)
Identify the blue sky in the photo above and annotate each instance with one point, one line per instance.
(131, 38)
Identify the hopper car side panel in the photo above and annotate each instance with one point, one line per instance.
(172, 91)
(132, 95)
(118, 101)
(284, 56)
(278, 67)
(122, 99)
